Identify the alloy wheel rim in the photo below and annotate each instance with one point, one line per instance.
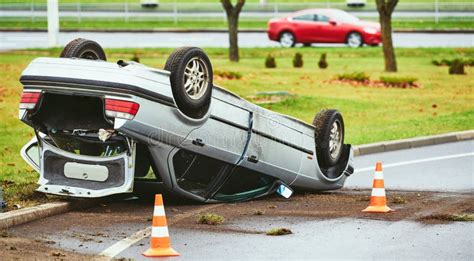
(335, 139)
(196, 78)
(354, 40)
(287, 40)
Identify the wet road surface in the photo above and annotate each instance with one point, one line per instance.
(324, 230)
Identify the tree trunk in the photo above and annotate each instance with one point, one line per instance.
(233, 21)
(388, 51)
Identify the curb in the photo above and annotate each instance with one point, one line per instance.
(412, 142)
(21, 216)
(18, 217)
(171, 30)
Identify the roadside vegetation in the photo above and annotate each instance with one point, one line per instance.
(25, 23)
(442, 104)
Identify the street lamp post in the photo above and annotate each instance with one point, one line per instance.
(53, 23)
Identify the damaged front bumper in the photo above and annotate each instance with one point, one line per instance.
(73, 175)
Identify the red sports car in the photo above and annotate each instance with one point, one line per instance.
(323, 26)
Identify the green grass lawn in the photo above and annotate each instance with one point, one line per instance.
(442, 104)
(212, 23)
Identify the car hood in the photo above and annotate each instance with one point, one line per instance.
(370, 24)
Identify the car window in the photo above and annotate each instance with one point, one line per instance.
(305, 17)
(196, 173)
(321, 18)
(244, 184)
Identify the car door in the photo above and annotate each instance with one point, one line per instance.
(304, 27)
(223, 136)
(274, 148)
(325, 29)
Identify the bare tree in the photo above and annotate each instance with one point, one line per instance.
(233, 12)
(385, 9)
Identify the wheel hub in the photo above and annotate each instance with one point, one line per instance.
(196, 78)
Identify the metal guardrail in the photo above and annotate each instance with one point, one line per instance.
(177, 11)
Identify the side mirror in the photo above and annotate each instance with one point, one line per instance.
(284, 191)
(332, 22)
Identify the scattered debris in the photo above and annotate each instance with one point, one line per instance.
(58, 254)
(450, 217)
(258, 212)
(399, 200)
(272, 207)
(104, 135)
(210, 219)
(279, 232)
(4, 233)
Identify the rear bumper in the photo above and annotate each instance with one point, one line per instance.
(68, 174)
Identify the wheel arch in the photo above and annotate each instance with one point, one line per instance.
(355, 31)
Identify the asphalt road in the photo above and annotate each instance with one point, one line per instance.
(22, 40)
(120, 229)
(445, 167)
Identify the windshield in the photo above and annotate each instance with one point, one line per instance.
(344, 17)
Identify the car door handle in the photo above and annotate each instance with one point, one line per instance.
(198, 142)
(252, 159)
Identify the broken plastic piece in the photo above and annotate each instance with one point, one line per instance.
(105, 134)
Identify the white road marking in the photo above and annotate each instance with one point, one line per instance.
(403, 163)
(125, 243)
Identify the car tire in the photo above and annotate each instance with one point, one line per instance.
(85, 49)
(191, 80)
(287, 39)
(354, 40)
(329, 137)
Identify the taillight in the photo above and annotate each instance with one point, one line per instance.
(29, 100)
(121, 109)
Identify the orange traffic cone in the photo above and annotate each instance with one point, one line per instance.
(378, 201)
(160, 238)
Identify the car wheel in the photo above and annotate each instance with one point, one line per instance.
(355, 40)
(287, 40)
(191, 80)
(85, 49)
(329, 137)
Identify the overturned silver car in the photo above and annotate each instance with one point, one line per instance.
(107, 128)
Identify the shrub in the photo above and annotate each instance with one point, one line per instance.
(298, 60)
(446, 62)
(270, 62)
(135, 58)
(228, 74)
(436, 62)
(398, 81)
(457, 67)
(210, 219)
(354, 76)
(323, 64)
